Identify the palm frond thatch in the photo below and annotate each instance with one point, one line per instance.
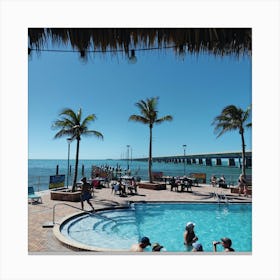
(219, 41)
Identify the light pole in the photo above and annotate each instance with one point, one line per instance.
(127, 156)
(69, 140)
(184, 147)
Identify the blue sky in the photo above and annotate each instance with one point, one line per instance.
(194, 90)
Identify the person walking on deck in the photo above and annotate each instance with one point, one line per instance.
(85, 193)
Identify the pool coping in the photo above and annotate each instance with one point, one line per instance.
(77, 246)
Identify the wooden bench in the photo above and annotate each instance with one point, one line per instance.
(157, 175)
(199, 177)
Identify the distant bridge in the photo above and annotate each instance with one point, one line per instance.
(206, 159)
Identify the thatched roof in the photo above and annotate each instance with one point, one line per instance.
(219, 41)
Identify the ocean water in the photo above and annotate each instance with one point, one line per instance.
(39, 171)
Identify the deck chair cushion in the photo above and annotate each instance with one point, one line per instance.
(32, 196)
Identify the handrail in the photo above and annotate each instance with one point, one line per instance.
(91, 213)
(220, 197)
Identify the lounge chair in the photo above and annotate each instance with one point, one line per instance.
(32, 197)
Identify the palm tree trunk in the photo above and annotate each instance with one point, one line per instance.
(76, 165)
(150, 156)
(243, 154)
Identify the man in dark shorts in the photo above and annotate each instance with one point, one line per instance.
(85, 194)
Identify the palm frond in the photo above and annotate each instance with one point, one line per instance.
(165, 118)
(70, 124)
(231, 118)
(88, 119)
(93, 132)
(138, 118)
(62, 133)
(249, 125)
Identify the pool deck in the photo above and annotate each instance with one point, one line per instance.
(41, 240)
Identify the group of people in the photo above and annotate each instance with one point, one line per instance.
(192, 244)
(184, 182)
(242, 183)
(87, 189)
(214, 181)
(122, 188)
(190, 241)
(145, 242)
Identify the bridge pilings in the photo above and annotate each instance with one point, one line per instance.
(231, 162)
(208, 161)
(233, 159)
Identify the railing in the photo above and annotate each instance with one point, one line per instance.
(90, 213)
(220, 197)
(41, 183)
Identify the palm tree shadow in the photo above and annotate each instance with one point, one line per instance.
(203, 196)
(136, 194)
(107, 202)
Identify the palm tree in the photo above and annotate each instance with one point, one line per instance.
(233, 118)
(149, 116)
(71, 125)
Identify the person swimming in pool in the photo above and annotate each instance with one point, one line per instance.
(197, 247)
(189, 235)
(156, 247)
(226, 243)
(144, 242)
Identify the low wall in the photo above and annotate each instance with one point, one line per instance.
(66, 196)
(200, 177)
(152, 186)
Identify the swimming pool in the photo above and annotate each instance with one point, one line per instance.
(164, 223)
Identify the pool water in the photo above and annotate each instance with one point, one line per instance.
(164, 223)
